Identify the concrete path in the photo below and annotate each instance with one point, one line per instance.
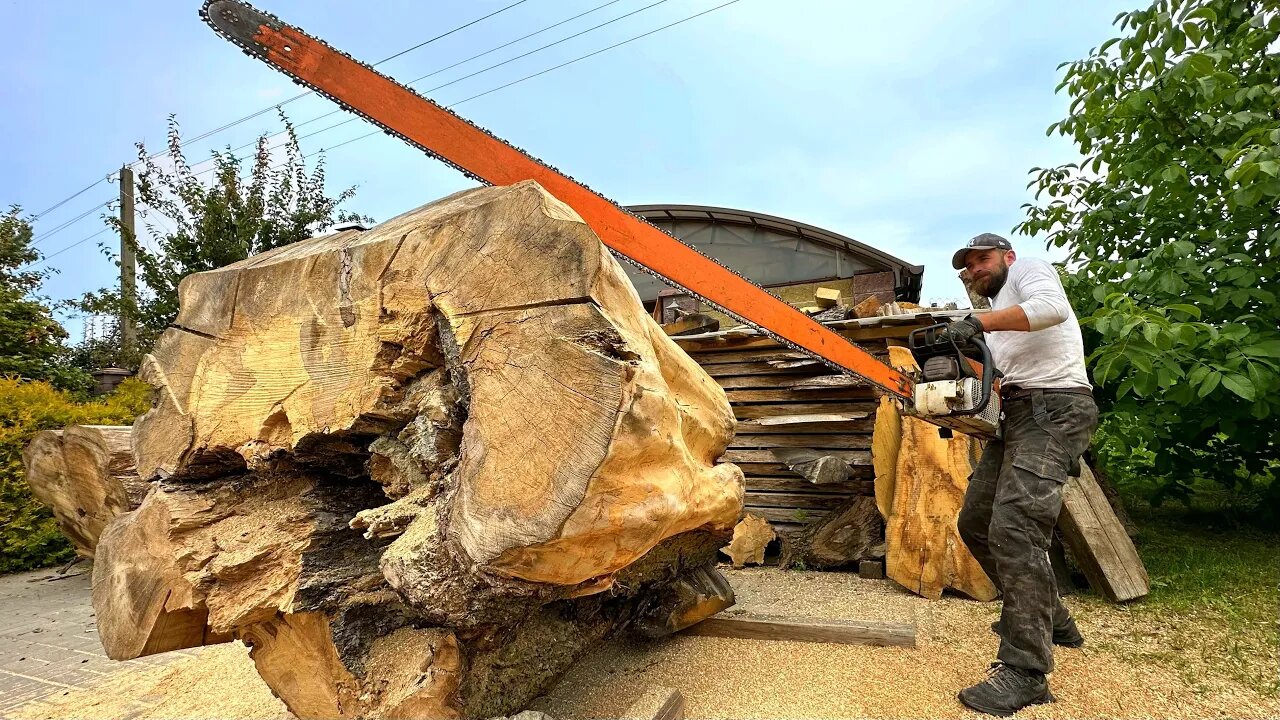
(48, 641)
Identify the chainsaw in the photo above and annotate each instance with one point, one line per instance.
(399, 111)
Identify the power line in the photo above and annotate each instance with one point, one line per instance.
(71, 197)
(299, 96)
(259, 113)
(597, 52)
(436, 72)
(492, 67)
(49, 257)
(473, 97)
(43, 236)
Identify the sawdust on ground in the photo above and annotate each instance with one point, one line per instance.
(220, 682)
(729, 678)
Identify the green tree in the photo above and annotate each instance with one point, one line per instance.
(1172, 225)
(31, 341)
(202, 224)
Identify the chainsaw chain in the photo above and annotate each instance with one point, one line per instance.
(204, 15)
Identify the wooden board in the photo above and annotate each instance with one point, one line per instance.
(1099, 542)
(853, 457)
(762, 368)
(658, 703)
(789, 395)
(800, 516)
(753, 412)
(830, 440)
(797, 629)
(800, 485)
(860, 426)
(737, 356)
(808, 383)
(803, 501)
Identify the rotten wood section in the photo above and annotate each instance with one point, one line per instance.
(796, 629)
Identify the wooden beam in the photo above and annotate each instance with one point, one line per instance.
(657, 703)
(849, 410)
(746, 395)
(853, 457)
(796, 629)
(1099, 542)
(830, 440)
(803, 486)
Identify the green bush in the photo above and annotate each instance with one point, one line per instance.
(29, 537)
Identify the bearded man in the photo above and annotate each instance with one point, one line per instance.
(1015, 493)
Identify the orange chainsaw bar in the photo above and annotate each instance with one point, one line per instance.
(440, 132)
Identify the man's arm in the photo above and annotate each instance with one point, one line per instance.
(1044, 306)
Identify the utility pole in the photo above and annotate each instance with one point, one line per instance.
(128, 263)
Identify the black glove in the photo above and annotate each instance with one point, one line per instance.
(959, 331)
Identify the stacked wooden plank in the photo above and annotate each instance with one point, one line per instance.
(804, 433)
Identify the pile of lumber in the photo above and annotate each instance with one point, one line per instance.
(421, 469)
(804, 438)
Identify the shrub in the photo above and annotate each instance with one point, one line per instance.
(29, 537)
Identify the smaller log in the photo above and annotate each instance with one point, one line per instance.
(750, 538)
(844, 537)
(794, 629)
(658, 703)
(693, 598)
(86, 475)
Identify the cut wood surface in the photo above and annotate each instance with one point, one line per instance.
(420, 469)
(924, 550)
(86, 475)
(845, 536)
(750, 538)
(795, 629)
(1099, 542)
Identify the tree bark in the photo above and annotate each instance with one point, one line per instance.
(86, 475)
(405, 465)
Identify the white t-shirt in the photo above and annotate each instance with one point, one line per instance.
(1052, 354)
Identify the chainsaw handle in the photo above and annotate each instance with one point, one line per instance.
(929, 341)
(988, 371)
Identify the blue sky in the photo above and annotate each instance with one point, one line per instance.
(910, 127)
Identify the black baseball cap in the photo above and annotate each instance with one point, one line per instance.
(985, 241)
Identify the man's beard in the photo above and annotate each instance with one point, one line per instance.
(990, 285)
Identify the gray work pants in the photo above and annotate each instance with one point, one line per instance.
(1010, 509)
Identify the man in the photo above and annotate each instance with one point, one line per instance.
(1015, 493)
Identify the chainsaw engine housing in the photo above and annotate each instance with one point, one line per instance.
(949, 392)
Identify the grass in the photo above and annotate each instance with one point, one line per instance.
(1215, 598)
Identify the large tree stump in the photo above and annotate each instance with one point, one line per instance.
(86, 475)
(420, 469)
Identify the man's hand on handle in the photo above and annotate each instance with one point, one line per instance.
(959, 331)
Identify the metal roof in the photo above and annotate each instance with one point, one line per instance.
(908, 278)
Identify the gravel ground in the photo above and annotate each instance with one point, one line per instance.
(725, 678)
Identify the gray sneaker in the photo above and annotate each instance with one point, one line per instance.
(1067, 636)
(1007, 690)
